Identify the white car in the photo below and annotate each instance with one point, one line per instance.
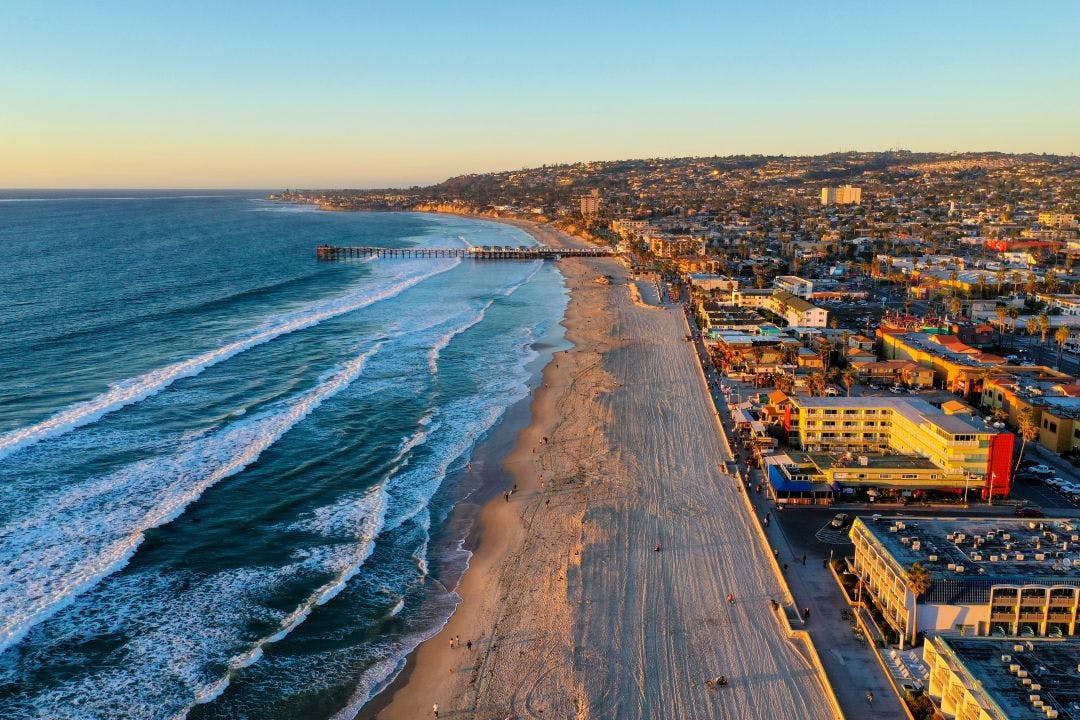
(1041, 469)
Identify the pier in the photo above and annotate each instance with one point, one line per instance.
(486, 252)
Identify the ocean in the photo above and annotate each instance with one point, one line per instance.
(227, 470)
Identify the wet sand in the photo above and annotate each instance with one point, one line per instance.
(570, 610)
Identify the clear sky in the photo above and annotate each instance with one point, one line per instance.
(267, 94)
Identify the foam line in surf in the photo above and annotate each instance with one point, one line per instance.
(95, 535)
(369, 512)
(143, 386)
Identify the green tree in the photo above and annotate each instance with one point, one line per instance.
(1015, 276)
(982, 286)
(1029, 430)
(918, 582)
(1061, 336)
(1032, 326)
(1000, 279)
(955, 306)
(1051, 282)
(849, 377)
(1044, 327)
(1002, 312)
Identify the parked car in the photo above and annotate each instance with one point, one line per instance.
(840, 520)
(1031, 512)
(896, 389)
(1041, 469)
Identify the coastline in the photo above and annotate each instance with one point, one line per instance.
(566, 610)
(496, 527)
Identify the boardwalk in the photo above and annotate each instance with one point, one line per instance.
(487, 252)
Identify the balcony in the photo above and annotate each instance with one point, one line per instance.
(1031, 617)
(1062, 602)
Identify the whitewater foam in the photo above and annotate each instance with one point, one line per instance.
(90, 533)
(143, 386)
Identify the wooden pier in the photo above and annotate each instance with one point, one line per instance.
(487, 252)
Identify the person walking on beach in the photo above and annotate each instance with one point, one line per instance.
(806, 614)
(435, 709)
(870, 698)
(468, 644)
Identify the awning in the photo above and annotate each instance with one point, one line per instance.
(782, 484)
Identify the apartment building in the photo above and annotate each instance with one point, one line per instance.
(902, 442)
(795, 285)
(1051, 397)
(843, 195)
(590, 204)
(988, 576)
(979, 679)
(893, 372)
(795, 311)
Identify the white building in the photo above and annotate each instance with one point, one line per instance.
(794, 285)
(843, 195)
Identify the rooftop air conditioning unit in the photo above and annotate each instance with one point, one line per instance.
(1014, 668)
(916, 545)
(1006, 536)
(993, 558)
(1019, 556)
(1021, 673)
(977, 557)
(1006, 658)
(864, 460)
(959, 568)
(951, 566)
(1040, 556)
(1018, 648)
(932, 558)
(1035, 687)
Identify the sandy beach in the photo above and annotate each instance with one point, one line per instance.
(568, 609)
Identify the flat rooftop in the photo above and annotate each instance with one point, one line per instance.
(915, 409)
(1051, 664)
(824, 461)
(984, 551)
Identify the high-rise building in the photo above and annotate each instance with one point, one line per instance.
(843, 195)
(590, 204)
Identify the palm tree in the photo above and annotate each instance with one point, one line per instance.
(1050, 282)
(1029, 430)
(824, 352)
(1061, 335)
(849, 377)
(815, 383)
(955, 306)
(1002, 313)
(1032, 326)
(1015, 276)
(1000, 279)
(918, 582)
(1044, 327)
(1014, 315)
(982, 286)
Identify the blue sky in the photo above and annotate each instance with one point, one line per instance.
(267, 94)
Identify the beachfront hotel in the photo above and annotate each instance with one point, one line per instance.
(974, 679)
(1006, 577)
(899, 443)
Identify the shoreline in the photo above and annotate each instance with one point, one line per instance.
(497, 528)
(478, 509)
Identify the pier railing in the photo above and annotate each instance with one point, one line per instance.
(486, 252)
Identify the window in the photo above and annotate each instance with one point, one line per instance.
(1052, 427)
(909, 476)
(851, 412)
(830, 412)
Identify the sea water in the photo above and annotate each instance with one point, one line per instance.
(223, 463)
